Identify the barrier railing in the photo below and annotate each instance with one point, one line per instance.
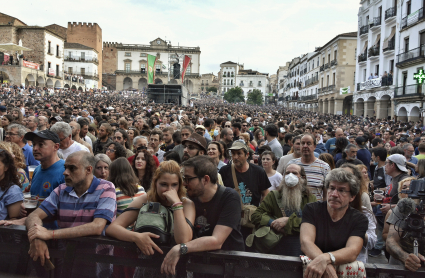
(14, 246)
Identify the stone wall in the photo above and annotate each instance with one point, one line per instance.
(7, 34)
(33, 38)
(110, 57)
(109, 81)
(88, 34)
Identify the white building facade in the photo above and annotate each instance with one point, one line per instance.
(253, 80)
(81, 66)
(227, 76)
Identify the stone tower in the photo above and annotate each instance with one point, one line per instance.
(89, 34)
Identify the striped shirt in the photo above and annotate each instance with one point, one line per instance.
(123, 200)
(316, 173)
(99, 201)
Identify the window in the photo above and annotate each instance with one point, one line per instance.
(409, 7)
(48, 66)
(83, 71)
(144, 55)
(188, 70)
(329, 58)
(57, 70)
(327, 80)
(128, 54)
(231, 82)
(69, 54)
(364, 75)
(127, 67)
(158, 68)
(391, 65)
(333, 79)
(49, 47)
(335, 54)
(313, 65)
(83, 55)
(57, 50)
(259, 83)
(323, 60)
(377, 70)
(70, 70)
(406, 44)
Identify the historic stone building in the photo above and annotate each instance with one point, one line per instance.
(208, 80)
(128, 62)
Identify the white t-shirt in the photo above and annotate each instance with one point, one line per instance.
(75, 147)
(275, 181)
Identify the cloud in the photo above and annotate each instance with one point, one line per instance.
(260, 34)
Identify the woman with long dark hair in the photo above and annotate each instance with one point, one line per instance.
(126, 183)
(340, 145)
(6, 120)
(144, 167)
(11, 196)
(154, 122)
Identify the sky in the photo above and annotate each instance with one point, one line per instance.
(262, 35)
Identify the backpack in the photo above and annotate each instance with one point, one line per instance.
(157, 219)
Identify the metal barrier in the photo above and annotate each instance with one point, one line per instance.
(203, 264)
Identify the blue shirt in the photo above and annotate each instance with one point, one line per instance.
(44, 181)
(13, 195)
(415, 161)
(330, 145)
(29, 158)
(364, 156)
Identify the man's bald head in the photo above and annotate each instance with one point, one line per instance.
(339, 133)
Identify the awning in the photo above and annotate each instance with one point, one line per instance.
(385, 45)
(364, 47)
(13, 47)
(377, 40)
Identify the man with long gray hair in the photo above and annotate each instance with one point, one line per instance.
(281, 210)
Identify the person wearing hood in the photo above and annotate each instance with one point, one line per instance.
(291, 197)
(363, 154)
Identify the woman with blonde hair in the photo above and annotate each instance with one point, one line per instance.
(19, 159)
(168, 190)
(367, 185)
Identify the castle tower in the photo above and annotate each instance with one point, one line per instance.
(89, 34)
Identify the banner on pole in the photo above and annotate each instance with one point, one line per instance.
(151, 68)
(186, 62)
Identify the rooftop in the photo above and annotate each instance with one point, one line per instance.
(76, 46)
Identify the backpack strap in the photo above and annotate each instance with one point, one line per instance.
(235, 182)
(132, 208)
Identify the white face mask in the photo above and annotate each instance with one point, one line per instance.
(291, 180)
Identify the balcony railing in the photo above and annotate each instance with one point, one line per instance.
(294, 98)
(310, 97)
(322, 68)
(412, 18)
(390, 12)
(326, 66)
(408, 91)
(373, 51)
(374, 83)
(364, 30)
(376, 22)
(311, 81)
(391, 45)
(83, 60)
(334, 63)
(411, 57)
(319, 91)
(362, 57)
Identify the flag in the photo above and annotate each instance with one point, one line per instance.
(186, 62)
(151, 68)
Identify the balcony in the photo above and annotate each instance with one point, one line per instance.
(414, 90)
(391, 45)
(411, 57)
(391, 12)
(82, 60)
(319, 91)
(311, 97)
(412, 18)
(87, 75)
(362, 57)
(327, 66)
(376, 23)
(311, 81)
(322, 68)
(293, 98)
(374, 83)
(334, 63)
(364, 30)
(373, 51)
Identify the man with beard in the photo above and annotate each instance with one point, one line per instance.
(290, 198)
(121, 137)
(84, 131)
(83, 206)
(167, 135)
(105, 132)
(256, 124)
(76, 135)
(193, 146)
(349, 156)
(42, 123)
(218, 213)
(227, 136)
(154, 139)
(186, 131)
(315, 168)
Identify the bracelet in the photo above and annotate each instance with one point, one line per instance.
(177, 208)
(178, 203)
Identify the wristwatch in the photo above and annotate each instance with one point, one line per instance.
(183, 249)
(332, 258)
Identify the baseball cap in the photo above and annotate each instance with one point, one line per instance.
(44, 134)
(399, 160)
(417, 139)
(238, 145)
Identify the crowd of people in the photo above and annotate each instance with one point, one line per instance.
(231, 176)
(74, 77)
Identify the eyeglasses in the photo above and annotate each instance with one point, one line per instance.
(188, 179)
(191, 147)
(227, 126)
(110, 150)
(244, 125)
(340, 192)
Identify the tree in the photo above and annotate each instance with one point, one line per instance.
(255, 97)
(234, 95)
(212, 89)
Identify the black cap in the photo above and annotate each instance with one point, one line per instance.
(45, 134)
(417, 139)
(3, 108)
(403, 139)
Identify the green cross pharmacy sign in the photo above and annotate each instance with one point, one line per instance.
(420, 76)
